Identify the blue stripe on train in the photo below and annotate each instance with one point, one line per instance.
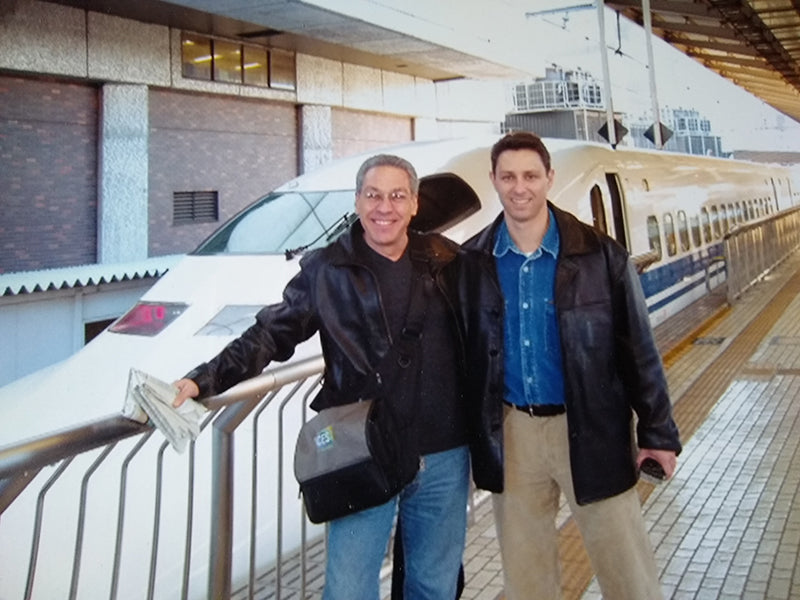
(657, 280)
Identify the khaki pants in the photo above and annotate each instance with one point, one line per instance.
(536, 471)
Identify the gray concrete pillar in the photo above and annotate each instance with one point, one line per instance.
(122, 173)
(316, 137)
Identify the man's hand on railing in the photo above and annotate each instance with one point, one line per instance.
(186, 389)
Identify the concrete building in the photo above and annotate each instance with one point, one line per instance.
(130, 130)
(565, 103)
(691, 133)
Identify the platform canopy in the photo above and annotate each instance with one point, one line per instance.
(753, 43)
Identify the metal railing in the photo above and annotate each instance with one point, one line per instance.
(108, 509)
(128, 505)
(752, 250)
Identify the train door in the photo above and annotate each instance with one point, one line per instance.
(617, 213)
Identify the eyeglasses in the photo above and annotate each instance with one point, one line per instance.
(395, 197)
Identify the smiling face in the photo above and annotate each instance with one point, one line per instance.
(522, 182)
(385, 205)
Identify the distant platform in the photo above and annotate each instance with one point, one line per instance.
(727, 525)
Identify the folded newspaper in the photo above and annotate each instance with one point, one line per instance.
(149, 398)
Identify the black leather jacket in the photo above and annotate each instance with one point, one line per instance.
(612, 368)
(337, 295)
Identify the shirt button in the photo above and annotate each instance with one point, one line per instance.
(526, 343)
(525, 269)
(530, 380)
(525, 305)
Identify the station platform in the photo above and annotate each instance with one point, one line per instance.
(727, 525)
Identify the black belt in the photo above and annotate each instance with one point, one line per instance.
(539, 410)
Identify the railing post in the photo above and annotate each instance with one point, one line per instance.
(221, 530)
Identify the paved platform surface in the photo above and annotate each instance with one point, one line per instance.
(728, 523)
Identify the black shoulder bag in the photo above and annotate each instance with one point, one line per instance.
(361, 454)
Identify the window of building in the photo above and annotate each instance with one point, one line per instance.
(654, 234)
(255, 66)
(227, 61)
(683, 230)
(231, 62)
(706, 223)
(282, 70)
(669, 234)
(195, 207)
(196, 57)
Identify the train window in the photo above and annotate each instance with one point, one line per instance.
(295, 221)
(694, 226)
(654, 235)
(723, 217)
(283, 221)
(715, 224)
(231, 320)
(731, 216)
(669, 234)
(706, 222)
(444, 200)
(683, 230)
(739, 214)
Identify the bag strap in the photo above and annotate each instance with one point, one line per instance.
(405, 348)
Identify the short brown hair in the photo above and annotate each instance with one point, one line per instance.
(520, 140)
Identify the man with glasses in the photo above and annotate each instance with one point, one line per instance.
(355, 293)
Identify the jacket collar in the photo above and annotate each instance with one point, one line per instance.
(422, 248)
(575, 237)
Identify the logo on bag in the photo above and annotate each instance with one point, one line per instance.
(324, 439)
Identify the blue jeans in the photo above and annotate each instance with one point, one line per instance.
(433, 509)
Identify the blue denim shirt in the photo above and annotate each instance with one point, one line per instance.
(533, 370)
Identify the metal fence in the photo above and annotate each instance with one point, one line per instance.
(752, 250)
(109, 510)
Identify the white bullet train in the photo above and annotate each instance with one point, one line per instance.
(670, 211)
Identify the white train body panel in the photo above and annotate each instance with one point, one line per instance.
(91, 384)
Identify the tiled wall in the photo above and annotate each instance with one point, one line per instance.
(241, 148)
(48, 174)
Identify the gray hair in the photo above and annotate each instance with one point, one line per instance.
(388, 160)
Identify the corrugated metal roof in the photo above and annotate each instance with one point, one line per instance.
(28, 282)
(753, 43)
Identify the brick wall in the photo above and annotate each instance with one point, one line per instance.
(241, 148)
(48, 174)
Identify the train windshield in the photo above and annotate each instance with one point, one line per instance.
(292, 222)
(284, 222)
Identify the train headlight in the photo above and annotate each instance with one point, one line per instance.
(148, 318)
